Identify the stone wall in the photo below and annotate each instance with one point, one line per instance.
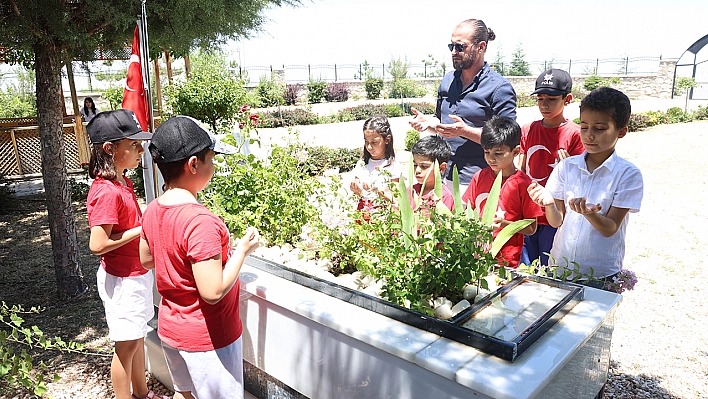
(657, 85)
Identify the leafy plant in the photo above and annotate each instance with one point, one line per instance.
(337, 92)
(592, 82)
(288, 117)
(685, 84)
(291, 93)
(271, 195)
(406, 88)
(17, 370)
(321, 158)
(412, 137)
(525, 100)
(316, 91)
(519, 65)
(269, 93)
(373, 87)
(433, 67)
(211, 95)
(114, 95)
(677, 115)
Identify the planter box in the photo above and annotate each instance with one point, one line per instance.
(505, 324)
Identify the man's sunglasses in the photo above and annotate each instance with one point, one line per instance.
(457, 46)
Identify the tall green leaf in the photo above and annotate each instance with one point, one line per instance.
(490, 208)
(506, 233)
(459, 207)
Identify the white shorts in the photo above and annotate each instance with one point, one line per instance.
(212, 374)
(128, 304)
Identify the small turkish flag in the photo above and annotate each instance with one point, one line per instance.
(134, 93)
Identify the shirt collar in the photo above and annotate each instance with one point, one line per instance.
(609, 163)
(477, 78)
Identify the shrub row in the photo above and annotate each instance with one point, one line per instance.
(647, 119)
(301, 116)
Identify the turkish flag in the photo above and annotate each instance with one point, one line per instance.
(134, 93)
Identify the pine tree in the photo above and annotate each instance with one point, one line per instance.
(519, 65)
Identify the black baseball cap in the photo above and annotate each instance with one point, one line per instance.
(115, 125)
(180, 137)
(554, 82)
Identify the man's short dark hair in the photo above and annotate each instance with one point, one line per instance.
(611, 101)
(433, 147)
(500, 130)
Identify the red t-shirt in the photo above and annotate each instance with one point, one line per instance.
(110, 202)
(179, 236)
(514, 204)
(541, 145)
(427, 200)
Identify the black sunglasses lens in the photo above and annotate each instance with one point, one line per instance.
(456, 46)
(450, 46)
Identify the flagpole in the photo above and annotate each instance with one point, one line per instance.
(151, 176)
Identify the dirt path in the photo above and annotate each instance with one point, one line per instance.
(660, 328)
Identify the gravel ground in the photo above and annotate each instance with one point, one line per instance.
(659, 348)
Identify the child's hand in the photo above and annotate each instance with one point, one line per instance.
(578, 205)
(420, 122)
(562, 154)
(499, 223)
(355, 186)
(249, 242)
(540, 195)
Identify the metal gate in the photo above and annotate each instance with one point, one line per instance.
(697, 68)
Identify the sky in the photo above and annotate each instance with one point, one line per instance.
(351, 31)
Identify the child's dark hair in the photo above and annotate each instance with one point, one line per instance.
(611, 101)
(433, 147)
(500, 130)
(101, 163)
(380, 125)
(173, 170)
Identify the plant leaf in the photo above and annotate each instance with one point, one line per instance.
(490, 208)
(506, 233)
(459, 208)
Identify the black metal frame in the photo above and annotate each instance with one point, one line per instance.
(450, 329)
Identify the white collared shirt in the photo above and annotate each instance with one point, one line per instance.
(616, 183)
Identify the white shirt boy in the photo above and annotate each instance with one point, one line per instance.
(616, 183)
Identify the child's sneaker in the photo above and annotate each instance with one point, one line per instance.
(151, 395)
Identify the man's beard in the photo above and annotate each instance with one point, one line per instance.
(466, 62)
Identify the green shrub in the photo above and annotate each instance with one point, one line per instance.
(272, 196)
(593, 82)
(425, 108)
(373, 87)
(321, 158)
(525, 100)
(394, 110)
(406, 88)
(577, 121)
(288, 117)
(412, 137)
(677, 115)
(114, 95)
(316, 91)
(701, 113)
(269, 93)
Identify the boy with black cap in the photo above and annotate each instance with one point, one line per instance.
(196, 268)
(544, 143)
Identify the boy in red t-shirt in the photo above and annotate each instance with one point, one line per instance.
(196, 269)
(500, 141)
(425, 152)
(543, 144)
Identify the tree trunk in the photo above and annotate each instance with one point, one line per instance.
(62, 227)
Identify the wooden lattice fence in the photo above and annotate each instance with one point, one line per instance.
(20, 146)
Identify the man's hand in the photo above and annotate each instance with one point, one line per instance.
(420, 122)
(562, 154)
(580, 206)
(450, 130)
(540, 195)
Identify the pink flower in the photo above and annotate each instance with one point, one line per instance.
(241, 125)
(244, 108)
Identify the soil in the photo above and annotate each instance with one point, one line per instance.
(660, 339)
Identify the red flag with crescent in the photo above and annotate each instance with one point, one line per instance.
(134, 92)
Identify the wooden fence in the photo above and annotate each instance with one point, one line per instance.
(20, 146)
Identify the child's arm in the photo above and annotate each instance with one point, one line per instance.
(213, 282)
(102, 240)
(555, 208)
(608, 224)
(146, 258)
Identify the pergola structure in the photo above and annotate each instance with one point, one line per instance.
(699, 69)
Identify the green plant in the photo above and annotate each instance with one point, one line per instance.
(211, 95)
(701, 113)
(291, 93)
(316, 91)
(19, 370)
(321, 158)
(406, 88)
(412, 137)
(373, 87)
(433, 67)
(637, 122)
(114, 95)
(519, 65)
(592, 82)
(288, 117)
(685, 84)
(677, 115)
(269, 93)
(271, 195)
(525, 100)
